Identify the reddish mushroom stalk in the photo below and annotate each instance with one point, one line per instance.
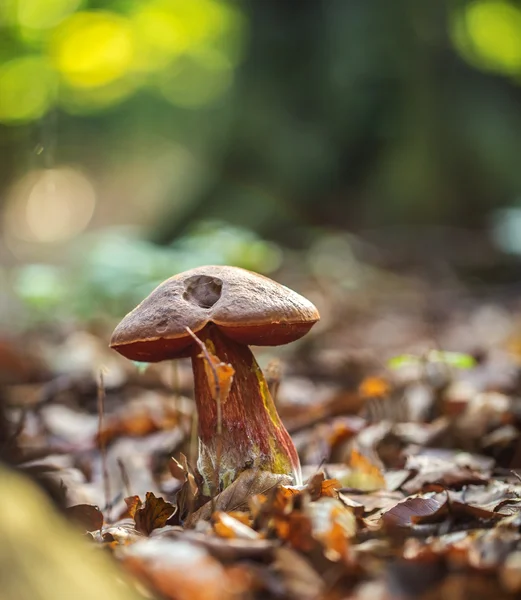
(228, 309)
(252, 434)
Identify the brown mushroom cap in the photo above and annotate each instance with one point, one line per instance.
(247, 307)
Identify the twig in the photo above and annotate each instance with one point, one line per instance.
(206, 356)
(516, 475)
(193, 438)
(124, 477)
(10, 441)
(102, 444)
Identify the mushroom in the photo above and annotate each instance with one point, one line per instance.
(229, 309)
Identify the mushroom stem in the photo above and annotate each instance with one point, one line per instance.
(253, 435)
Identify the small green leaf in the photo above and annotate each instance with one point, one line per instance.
(402, 360)
(454, 359)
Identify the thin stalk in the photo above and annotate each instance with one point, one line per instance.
(103, 446)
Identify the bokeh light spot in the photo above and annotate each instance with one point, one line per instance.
(50, 205)
(27, 89)
(160, 36)
(38, 14)
(92, 49)
(487, 33)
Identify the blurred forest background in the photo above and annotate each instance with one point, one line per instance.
(140, 138)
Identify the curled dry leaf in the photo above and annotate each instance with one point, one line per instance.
(371, 503)
(153, 514)
(224, 372)
(121, 533)
(318, 486)
(133, 503)
(187, 498)
(406, 513)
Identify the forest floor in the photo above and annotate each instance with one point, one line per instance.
(404, 404)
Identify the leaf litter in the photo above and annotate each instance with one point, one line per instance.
(411, 470)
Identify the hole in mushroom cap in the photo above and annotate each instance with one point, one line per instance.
(203, 290)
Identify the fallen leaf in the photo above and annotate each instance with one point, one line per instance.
(318, 486)
(441, 470)
(133, 503)
(227, 526)
(236, 496)
(380, 500)
(333, 525)
(406, 513)
(365, 475)
(87, 516)
(296, 529)
(187, 498)
(153, 514)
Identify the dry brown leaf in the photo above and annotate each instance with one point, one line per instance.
(333, 525)
(365, 475)
(448, 477)
(357, 508)
(408, 512)
(380, 500)
(188, 496)
(318, 486)
(133, 503)
(236, 496)
(153, 514)
(296, 529)
(278, 501)
(227, 526)
(87, 516)
(213, 367)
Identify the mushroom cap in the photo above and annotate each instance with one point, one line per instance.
(247, 307)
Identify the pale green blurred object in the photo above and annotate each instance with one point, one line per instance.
(457, 360)
(112, 270)
(42, 558)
